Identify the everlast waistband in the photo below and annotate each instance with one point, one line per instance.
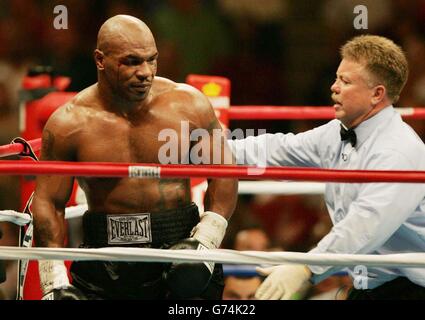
(139, 229)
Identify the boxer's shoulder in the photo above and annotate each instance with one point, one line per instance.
(179, 94)
(74, 113)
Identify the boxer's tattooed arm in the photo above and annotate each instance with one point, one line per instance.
(47, 146)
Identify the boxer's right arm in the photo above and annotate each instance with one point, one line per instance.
(48, 207)
(51, 194)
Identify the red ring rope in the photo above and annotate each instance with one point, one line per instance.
(280, 113)
(241, 113)
(257, 112)
(301, 113)
(103, 169)
(17, 148)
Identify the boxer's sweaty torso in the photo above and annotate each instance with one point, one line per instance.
(101, 135)
(95, 134)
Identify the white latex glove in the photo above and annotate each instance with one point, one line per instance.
(283, 281)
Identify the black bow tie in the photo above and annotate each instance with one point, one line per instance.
(349, 135)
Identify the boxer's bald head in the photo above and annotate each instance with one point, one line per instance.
(126, 58)
(123, 30)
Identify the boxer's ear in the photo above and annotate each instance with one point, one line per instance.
(99, 58)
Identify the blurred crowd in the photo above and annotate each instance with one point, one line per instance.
(275, 52)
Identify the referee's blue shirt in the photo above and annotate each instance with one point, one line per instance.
(368, 218)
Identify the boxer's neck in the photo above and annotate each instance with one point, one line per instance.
(119, 105)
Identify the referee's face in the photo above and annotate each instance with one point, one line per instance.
(352, 93)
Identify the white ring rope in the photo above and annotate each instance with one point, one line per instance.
(19, 218)
(216, 255)
(22, 219)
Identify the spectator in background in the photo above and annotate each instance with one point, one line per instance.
(252, 238)
(335, 287)
(241, 287)
(414, 92)
(192, 35)
(69, 51)
(338, 15)
(255, 64)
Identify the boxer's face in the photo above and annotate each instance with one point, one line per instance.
(352, 93)
(130, 68)
(136, 71)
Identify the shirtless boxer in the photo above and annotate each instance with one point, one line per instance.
(118, 119)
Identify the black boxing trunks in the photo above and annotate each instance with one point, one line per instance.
(135, 280)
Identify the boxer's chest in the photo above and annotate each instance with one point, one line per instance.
(155, 138)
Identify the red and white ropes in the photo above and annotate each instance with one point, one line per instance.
(149, 171)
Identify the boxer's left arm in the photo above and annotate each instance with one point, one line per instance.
(210, 147)
(221, 194)
(220, 201)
